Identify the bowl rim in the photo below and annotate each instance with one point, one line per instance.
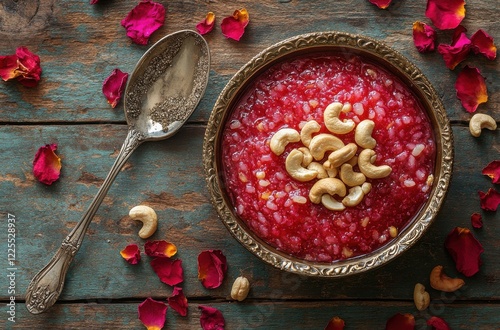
(394, 62)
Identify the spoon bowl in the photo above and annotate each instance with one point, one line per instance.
(163, 91)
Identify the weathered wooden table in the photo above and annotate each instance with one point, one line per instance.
(79, 45)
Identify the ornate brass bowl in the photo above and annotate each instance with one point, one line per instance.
(388, 59)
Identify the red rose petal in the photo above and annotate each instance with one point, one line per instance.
(152, 314)
(445, 14)
(113, 86)
(476, 220)
(47, 165)
(211, 318)
(489, 200)
(234, 26)
(493, 171)
(424, 37)
(471, 88)
(160, 249)
(169, 271)
(131, 254)
(143, 20)
(401, 322)
(438, 323)
(482, 43)
(457, 51)
(382, 4)
(9, 67)
(178, 301)
(93, 2)
(29, 65)
(212, 267)
(207, 24)
(465, 250)
(336, 323)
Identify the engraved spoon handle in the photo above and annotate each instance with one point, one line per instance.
(48, 283)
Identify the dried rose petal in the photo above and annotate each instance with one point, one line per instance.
(445, 14)
(471, 88)
(482, 43)
(24, 65)
(131, 254)
(493, 171)
(465, 250)
(401, 322)
(47, 165)
(211, 318)
(438, 323)
(152, 314)
(489, 200)
(207, 24)
(113, 86)
(212, 267)
(178, 301)
(160, 249)
(476, 220)
(382, 4)
(143, 20)
(458, 50)
(169, 271)
(336, 323)
(8, 67)
(234, 26)
(93, 2)
(424, 37)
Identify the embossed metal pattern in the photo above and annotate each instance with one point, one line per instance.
(335, 42)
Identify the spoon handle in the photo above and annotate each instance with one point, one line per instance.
(47, 285)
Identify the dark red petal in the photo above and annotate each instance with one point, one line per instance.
(445, 14)
(143, 20)
(29, 67)
(212, 267)
(382, 4)
(152, 314)
(47, 165)
(471, 88)
(160, 249)
(169, 271)
(131, 254)
(456, 52)
(401, 322)
(207, 24)
(489, 200)
(336, 323)
(178, 301)
(9, 67)
(424, 37)
(493, 171)
(438, 323)
(482, 43)
(113, 86)
(465, 250)
(476, 220)
(211, 318)
(93, 2)
(234, 26)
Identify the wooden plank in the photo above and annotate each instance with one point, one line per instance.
(80, 45)
(260, 315)
(168, 176)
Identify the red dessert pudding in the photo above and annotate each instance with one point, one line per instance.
(327, 157)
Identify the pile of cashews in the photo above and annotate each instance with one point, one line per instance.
(303, 164)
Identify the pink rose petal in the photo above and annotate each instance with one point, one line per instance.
(24, 65)
(482, 43)
(493, 171)
(382, 4)
(114, 85)
(131, 254)
(476, 220)
(438, 323)
(465, 250)
(178, 301)
(47, 165)
(169, 271)
(445, 14)
(160, 249)
(143, 20)
(207, 24)
(471, 88)
(152, 314)
(489, 200)
(234, 26)
(212, 267)
(424, 37)
(458, 50)
(211, 318)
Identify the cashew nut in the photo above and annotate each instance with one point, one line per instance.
(281, 138)
(353, 161)
(308, 130)
(315, 166)
(308, 158)
(350, 177)
(240, 288)
(365, 159)
(342, 155)
(147, 216)
(363, 134)
(480, 121)
(421, 298)
(440, 281)
(332, 121)
(354, 198)
(293, 165)
(322, 143)
(330, 203)
(330, 186)
(366, 187)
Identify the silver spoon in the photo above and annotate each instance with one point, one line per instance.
(162, 92)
